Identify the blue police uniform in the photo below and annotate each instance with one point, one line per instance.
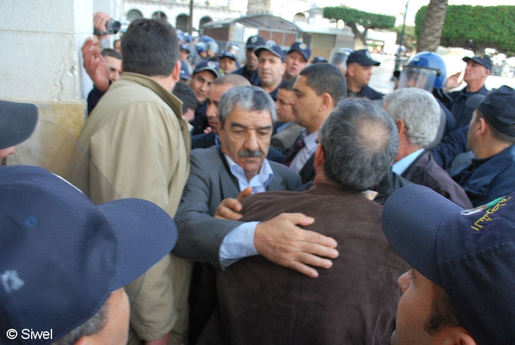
(367, 92)
(251, 76)
(489, 178)
(199, 123)
(462, 113)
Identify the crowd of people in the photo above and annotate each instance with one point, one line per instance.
(299, 197)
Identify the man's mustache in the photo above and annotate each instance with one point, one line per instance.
(248, 153)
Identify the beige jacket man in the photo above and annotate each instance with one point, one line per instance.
(138, 142)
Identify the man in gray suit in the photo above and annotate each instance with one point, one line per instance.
(237, 168)
(246, 116)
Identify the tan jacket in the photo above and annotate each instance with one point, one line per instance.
(139, 145)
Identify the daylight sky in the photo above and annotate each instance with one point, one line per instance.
(396, 7)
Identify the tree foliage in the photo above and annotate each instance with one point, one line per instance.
(476, 27)
(354, 18)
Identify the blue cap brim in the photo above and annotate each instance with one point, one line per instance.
(145, 234)
(17, 122)
(411, 219)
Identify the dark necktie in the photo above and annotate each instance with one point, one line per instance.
(294, 150)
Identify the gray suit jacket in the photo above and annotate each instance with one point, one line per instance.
(210, 181)
(286, 138)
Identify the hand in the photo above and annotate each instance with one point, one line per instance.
(95, 65)
(99, 22)
(452, 82)
(230, 208)
(282, 241)
(208, 130)
(161, 341)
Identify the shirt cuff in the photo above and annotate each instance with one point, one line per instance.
(238, 244)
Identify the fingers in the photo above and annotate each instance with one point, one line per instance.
(229, 209)
(246, 192)
(304, 269)
(99, 21)
(298, 218)
(318, 239)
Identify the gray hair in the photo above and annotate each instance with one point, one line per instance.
(93, 325)
(420, 112)
(250, 98)
(360, 142)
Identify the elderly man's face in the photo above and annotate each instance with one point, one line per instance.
(245, 138)
(414, 309)
(475, 72)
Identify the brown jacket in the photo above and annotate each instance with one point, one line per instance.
(354, 302)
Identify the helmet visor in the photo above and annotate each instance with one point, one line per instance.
(415, 76)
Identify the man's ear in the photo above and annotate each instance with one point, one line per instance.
(327, 101)
(319, 157)
(401, 126)
(176, 73)
(482, 126)
(453, 336)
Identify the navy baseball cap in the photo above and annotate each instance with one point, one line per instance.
(228, 54)
(254, 41)
(17, 122)
(319, 59)
(469, 253)
(272, 48)
(301, 48)
(207, 65)
(62, 255)
(185, 47)
(362, 57)
(481, 59)
(498, 107)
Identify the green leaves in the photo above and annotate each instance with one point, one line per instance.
(366, 19)
(476, 27)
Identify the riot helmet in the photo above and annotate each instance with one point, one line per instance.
(426, 70)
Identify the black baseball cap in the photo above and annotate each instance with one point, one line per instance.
(469, 253)
(362, 57)
(17, 122)
(498, 107)
(272, 48)
(481, 59)
(302, 48)
(254, 41)
(207, 65)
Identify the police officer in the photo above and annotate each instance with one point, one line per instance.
(249, 70)
(477, 70)
(359, 71)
